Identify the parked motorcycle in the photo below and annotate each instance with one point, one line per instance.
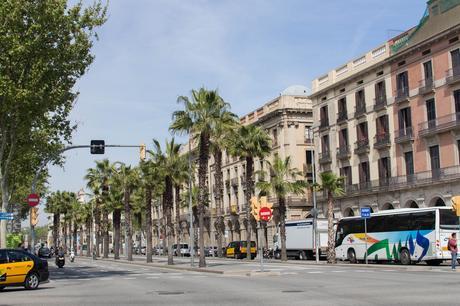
(269, 253)
(72, 256)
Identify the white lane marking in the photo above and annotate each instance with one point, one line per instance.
(362, 271)
(315, 272)
(388, 270)
(176, 277)
(338, 271)
(153, 277)
(106, 278)
(128, 278)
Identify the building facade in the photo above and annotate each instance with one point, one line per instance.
(288, 120)
(400, 146)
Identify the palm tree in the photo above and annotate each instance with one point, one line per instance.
(115, 202)
(219, 142)
(127, 178)
(105, 170)
(250, 142)
(199, 118)
(168, 162)
(95, 185)
(86, 215)
(333, 185)
(53, 207)
(282, 182)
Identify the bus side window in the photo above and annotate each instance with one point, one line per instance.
(423, 220)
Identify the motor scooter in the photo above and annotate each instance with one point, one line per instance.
(72, 256)
(60, 260)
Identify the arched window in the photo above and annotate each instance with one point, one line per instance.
(439, 202)
(348, 212)
(412, 204)
(387, 206)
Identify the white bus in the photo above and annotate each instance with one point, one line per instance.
(401, 235)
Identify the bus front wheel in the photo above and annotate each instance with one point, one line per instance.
(404, 257)
(351, 256)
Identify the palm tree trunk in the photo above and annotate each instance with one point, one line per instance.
(167, 210)
(88, 237)
(55, 230)
(282, 211)
(148, 208)
(65, 234)
(249, 192)
(97, 228)
(219, 211)
(74, 239)
(139, 239)
(105, 231)
(330, 229)
(129, 235)
(116, 232)
(81, 240)
(177, 223)
(202, 196)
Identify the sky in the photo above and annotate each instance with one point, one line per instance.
(151, 51)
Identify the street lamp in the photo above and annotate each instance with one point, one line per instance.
(192, 234)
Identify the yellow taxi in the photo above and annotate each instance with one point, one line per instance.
(237, 249)
(20, 268)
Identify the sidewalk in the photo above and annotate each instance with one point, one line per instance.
(242, 267)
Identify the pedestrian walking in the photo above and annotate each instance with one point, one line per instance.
(452, 246)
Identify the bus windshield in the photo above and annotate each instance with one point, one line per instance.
(448, 220)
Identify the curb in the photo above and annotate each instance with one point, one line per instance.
(144, 264)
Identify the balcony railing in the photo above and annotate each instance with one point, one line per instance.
(440, 125)
(453, 75)
(419, 179)
(308, 140)
(362, 146)
(342, 116)
(324, 157)
(382, 140)
(402, 95)
(343, 152)
(426, 86)
(404, 135)
(243, 181)
(360, 109)
(227, 185)
(380, 102)
(234, 181)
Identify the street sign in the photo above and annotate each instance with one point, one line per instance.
(6, 216)
(265, 214)
(33, 199)
(365, 212)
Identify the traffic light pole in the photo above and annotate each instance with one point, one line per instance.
(261, 248)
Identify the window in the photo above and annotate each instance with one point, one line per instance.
(428, 73)
(275, 137)
(423, 220)
(343, 138)
(364, 176)
(431, 113)
(434, 157)
(457, 102)
(308, 133)
(376, 224)
(324, 116)
(405, 120)
(448, 220)
(325, 143)
(380, 92)
(402, 83)
(360, 99)
(384, 169)
(342, 106)
(361, 131)
(15, 256)
(455, 55)
(394, 223)
(346, 173)
(409, 161)
(382, 126)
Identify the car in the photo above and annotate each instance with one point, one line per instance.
(237, 249)
(158, 250)
(21, 268)
(183, 249)
(44, 252)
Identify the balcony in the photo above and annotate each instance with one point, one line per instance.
(342, 117)
(325, 157)
(440, 125)
(420, 179)
(380, 102)
(324, 124)
(227, 185)
(343, 152)
(382, 141)
(308, 140)
(234, 182)
(360, 109)
(362, 146)
(243, 181)
(453, 75)
(404, 135)
(402, 95)
(426, 87)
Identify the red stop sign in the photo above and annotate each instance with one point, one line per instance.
(33, 199)
(265, 213)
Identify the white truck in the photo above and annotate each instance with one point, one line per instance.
(300, 239)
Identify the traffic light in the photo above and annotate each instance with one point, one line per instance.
(255, 208)
(33, 216)
(97, 147)
(265, 203)
(456, 205)
(142, 152)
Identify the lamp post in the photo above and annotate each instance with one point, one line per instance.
(192, 234)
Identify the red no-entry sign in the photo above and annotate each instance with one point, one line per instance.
(33, 199)
(265, 214)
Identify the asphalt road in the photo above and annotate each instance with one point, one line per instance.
(113, 283)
